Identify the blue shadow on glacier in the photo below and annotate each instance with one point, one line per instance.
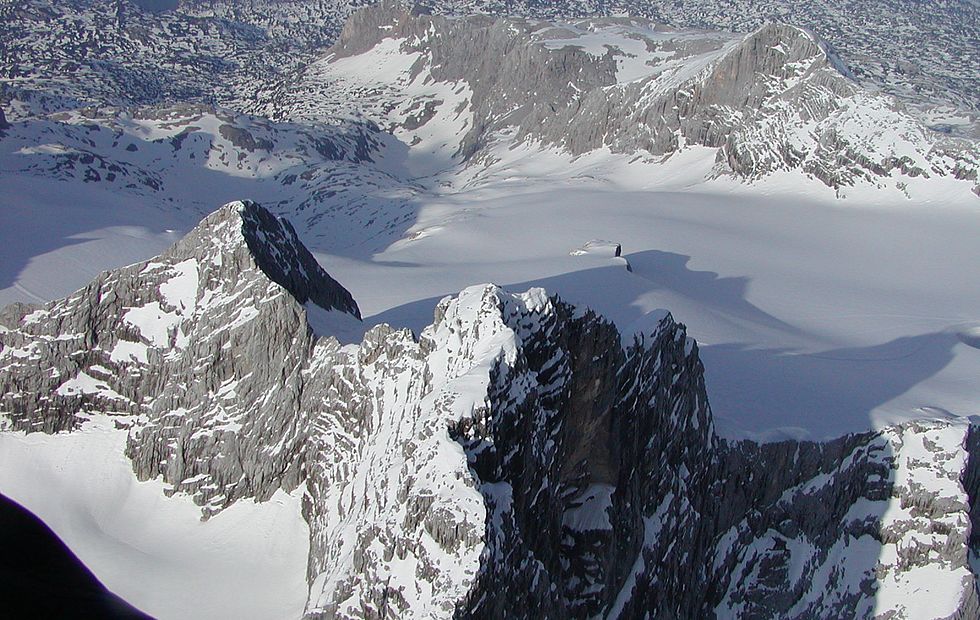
(767, 393)
(670, 271)
(819, 395)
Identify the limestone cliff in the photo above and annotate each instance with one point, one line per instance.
(517, 459)
(776, 99)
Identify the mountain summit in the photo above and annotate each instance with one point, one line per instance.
(278, 252)
(519, 458)
(240, 266)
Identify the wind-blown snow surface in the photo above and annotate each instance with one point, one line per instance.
(154, 550)
(817, 315)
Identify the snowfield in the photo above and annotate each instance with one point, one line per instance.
(152, 550)
(816, 316)
(817, 311)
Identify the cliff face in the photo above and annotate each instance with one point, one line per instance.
(192, 340)
(776, 99)
(611, 496)
(516, 459)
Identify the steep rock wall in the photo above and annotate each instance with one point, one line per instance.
(517, 459)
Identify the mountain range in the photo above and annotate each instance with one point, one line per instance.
(311, 401)
(517, 451)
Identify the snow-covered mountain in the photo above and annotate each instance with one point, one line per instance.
(924, 53)
(516, 454)
(328, 177)
(773, 100)
(219, 429)
(455, 88)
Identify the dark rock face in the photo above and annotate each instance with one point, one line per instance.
(569, 451)
(621, 501)
(286, 261)
(516, 460)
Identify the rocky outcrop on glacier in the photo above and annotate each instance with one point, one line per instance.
(776, 99)
(516, 459)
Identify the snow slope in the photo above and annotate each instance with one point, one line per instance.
(819, 310)
(153, 550)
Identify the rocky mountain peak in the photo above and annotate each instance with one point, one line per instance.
(272, 243)
(521, 450)
(776, 99)
(794, 43)
(216, 294)
(365, 27)
(776, 55)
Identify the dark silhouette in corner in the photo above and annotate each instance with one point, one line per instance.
(41, 578)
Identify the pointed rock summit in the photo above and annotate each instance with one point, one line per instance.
(271, 243)
(220, 294)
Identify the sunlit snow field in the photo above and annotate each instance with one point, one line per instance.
(153, 550)
(817, 313)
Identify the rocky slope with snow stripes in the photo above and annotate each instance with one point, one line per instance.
(190, 340)
(924, 53)
(775, 100)
(517, 458)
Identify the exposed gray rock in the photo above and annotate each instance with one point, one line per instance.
(776, 99)
(510, 78)
(515, 460)
(205, 330)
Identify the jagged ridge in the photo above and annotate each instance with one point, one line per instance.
(776, 99)
(516, 459)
